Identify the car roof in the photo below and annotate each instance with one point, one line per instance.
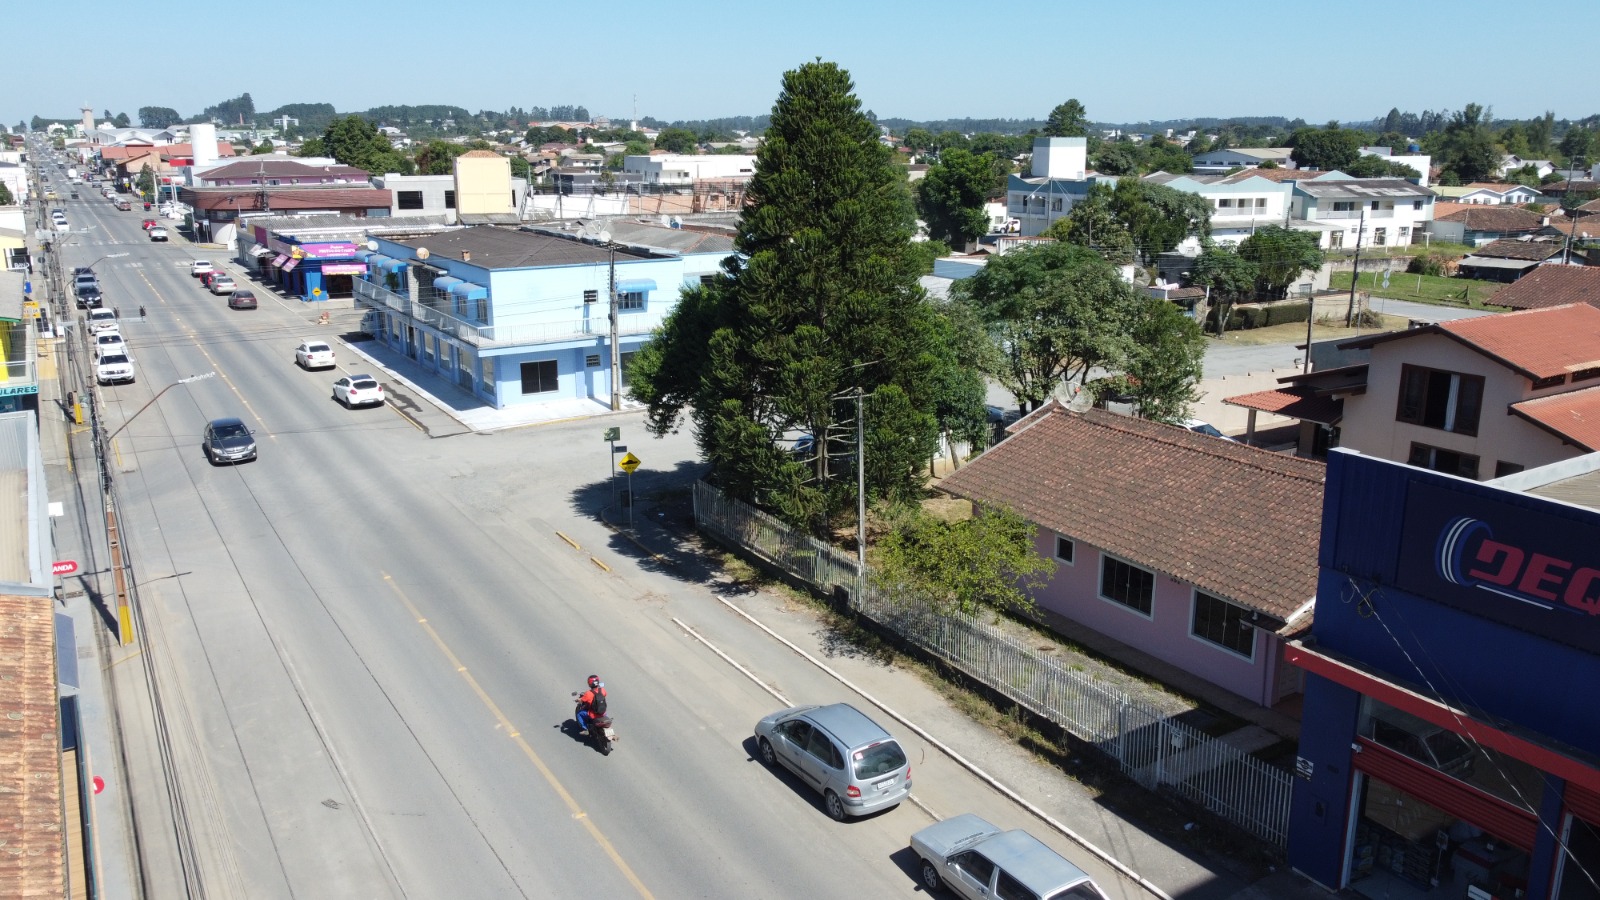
(1028, 860)
(355, 378)
(850, 725)
(226, 421)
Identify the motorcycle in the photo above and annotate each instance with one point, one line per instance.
(601, 733)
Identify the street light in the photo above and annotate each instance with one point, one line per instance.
(129, 420)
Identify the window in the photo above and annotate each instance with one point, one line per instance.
(1055, 205)
(1344, 206)
(707, 279)
(1380, 236)
(1220, 622)
(1008, 888)
(592, 361)
(1416, 204)
(483, 309)
(1224, 204)
(449, 199)
(540, 377)
(1432, 398)
(1127, 584)
(624, 360)
(632, 301)
(1064, 549)
(1585, 374)
(1261, 203)
(1375, 204)
(1504, 468)
(591, 296)
(408, 199)
(1403, 233)
(488, 374)
(1438, 459)
(975, 865)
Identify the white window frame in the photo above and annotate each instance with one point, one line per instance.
(1100, 580)
(1194, 605)
(1055, 552)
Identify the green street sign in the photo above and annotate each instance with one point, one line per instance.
(613, 434)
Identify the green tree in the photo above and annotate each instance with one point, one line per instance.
(1378, 167)
(1159, 217)
(1576, 145)
(121, 120)
(1094, 225)
(918, 140)
(1465, 148)
(1540, 131)
(1165, 361)
(354, 141)
(1325, 148)
(1281, 254)
(520, 168)
(1513, 139)
(1117, 158)
(1053, 312)
(821, 299)
(158, 117)
(438, 157)
(263, 147)
(677, 140)
(312, 147)
(146, 183)
(986, 560)
(951, 197)
(5, 195)
(1068, 119)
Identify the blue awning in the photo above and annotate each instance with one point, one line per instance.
(376, 260)
(365, 255)
(470, 290)
(393, 265)
(445, 283)
(635, 285)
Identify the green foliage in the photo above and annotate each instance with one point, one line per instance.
(157, 117)
(1268, 164)
(5, 195)
(1068, 119)
(1231, 277)
(121, 120)
(821, 299)
(354, 141)
(263, 147)
(539, 135)
(1094, 225)
(925, 252)
(427, 114)
(239, 110)
(146, 182)
(312, 147)
(1281, 254)
(1052, 312)
(1428, 264)
(987, 560)
(438, 157)
(1326, 148)
(1117, 158)
(1378, 167)
(1539, 132)
(1165, 360)
(951, 197)
(1465, 147)
(677, 140)
(1159, 217)
(1576, 145)
(521, 168)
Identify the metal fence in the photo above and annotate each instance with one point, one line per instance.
(1154, 750)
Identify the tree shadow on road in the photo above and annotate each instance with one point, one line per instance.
(660, 536)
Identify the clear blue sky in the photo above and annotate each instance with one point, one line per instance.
(926, 59)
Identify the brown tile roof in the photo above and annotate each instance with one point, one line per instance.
(1538, 343)
(1590, 208)
(480, 154)
(1512, 248)
(1551, 286)
(280, 168)
(1573, 416)
(1236, 521)
(1480, 217)
(305, 196)
(1295, 402)
(166, 150)
(30, 751)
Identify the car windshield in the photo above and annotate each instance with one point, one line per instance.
(878, 759)
(109, 338)
(316, 348)
(231, 430)
(112, 359)
(365, 384)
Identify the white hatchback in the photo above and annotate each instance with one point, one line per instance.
(358, 390)
(314, 355)
(200, 267)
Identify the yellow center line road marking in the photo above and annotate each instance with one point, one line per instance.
(515, 735)
(214, 365)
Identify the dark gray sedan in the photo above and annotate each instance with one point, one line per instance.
(229, 441)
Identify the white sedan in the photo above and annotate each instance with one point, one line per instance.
(358, 390)
(200, 267)
(314, 355)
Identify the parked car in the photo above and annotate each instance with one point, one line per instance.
(228, 440)
(148, 224)
(107, 343)
(85, 280)
(123, 205)
(974, 859)
(114, 368)
(61, 225)
(314, 355)
(200, 267)
(102, 320)
(221, 283)
(855, 765)
(157, 233)
(358, 390)
(89, 297)
(241, 299)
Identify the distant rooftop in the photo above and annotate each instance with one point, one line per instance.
(492, 247)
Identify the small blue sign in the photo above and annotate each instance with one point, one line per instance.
(27, 287)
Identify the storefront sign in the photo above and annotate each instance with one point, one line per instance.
(16, 390)
(1530, 570)
(338, 250)
(345, 269)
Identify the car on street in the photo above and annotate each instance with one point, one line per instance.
(102, 320)
(358, 390)
(971, 858)
(228, 441)
(107, 343)
(85, 280)
(61, 225)
(114, 368)
(158, 233)
(221, 283)
(89, 297)
(855, 765)
(147, 224)
(314, 355)
(200, 267)
(241, 299)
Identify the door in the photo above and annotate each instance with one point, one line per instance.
(793, 736)
(970, 874)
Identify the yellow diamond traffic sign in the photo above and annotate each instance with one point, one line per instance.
(628, 463)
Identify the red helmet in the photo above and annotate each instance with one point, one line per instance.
(594, 681)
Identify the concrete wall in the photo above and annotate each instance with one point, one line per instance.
(684, 169)
(483, 185)
(1060, 157)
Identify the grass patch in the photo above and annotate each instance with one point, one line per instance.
(1438, 290)
(1404, 250)
(1322, 330)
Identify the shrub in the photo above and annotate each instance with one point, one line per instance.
(1280, 313)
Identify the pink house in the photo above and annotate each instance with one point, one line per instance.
(1194, 549)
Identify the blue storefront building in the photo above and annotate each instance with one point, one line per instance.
(1450, 743)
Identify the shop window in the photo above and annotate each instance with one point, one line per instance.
(1438, 459)
(1127, 584)
(1065, 548)
(408, 199)
(1433, 398)
(449, 199)
(1439, 748)
(540, 377)
(1220, 622)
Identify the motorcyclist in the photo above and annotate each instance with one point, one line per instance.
(587, 703)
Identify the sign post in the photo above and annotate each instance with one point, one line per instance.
(613, 435)
(628, 463)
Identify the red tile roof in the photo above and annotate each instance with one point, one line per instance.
(1494, 218)
(280, 168)
(1512, 248)
(1539, 343)
(30, 751)
(166, 150)
(1551, 286)
(248, 197)
(1236, 521)
(1573, 416)
(1295, 402)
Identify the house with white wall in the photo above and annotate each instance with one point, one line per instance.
(1216, 162)
(1238, 206)
(1420, 163)
(684, 170)
(1058, 178)
(1130, 513)
(1365, 212)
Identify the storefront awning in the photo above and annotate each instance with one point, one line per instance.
(635, 285)
(289, 266)
(280, 259)
(344, 268)
(469, 289)
(446, 283)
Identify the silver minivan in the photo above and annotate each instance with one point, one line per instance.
(855, 765)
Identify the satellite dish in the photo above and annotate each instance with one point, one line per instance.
(604, 236)
(422, 253)
(373, 246)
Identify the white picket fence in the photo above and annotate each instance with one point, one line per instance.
(1151, 748)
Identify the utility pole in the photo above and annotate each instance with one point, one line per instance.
(1355, 274)
(616, 352)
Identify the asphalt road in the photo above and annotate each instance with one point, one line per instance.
(364, 644)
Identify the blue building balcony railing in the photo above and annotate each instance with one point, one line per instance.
(493, 336)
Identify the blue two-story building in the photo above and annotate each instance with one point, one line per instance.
(518, 316)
